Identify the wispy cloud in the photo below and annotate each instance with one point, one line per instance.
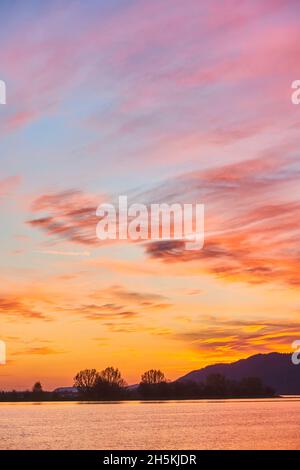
(70, 215)
(250, 218)
(63, 253)
(240, 337)
(38, 351)
(20, 307)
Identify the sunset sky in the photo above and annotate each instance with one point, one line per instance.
(163, 101)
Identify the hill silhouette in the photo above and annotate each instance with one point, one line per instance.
(274, 369)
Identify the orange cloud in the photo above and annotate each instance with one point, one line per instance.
(38, 351)
(19, 307)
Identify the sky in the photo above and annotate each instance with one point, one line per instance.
(164, 101)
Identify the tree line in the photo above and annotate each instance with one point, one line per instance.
(110, 385)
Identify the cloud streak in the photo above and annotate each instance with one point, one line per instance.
(244, 337)
(250, 231)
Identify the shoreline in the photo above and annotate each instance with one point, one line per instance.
(157, 400)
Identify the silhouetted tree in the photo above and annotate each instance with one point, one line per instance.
(253, 386)
(187, 390)
(36, 393)
(112, 376)
(110, 384)
(154, 385)
(37, 388)
(216, 386)
(153, 376)
(85, 381)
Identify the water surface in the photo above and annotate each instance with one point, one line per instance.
(203, 424)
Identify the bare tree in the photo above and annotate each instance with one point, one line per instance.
(112, 376)
(86, 379)
(153, 376)
(110, 384)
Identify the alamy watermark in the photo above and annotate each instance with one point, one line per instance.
(2, 92)
(184, 222)
(296, 354)
(295, 97)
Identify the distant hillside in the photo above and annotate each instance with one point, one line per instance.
(275, 370)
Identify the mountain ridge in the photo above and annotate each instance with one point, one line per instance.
(274, 369)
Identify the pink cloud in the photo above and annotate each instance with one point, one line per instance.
(250, 218)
